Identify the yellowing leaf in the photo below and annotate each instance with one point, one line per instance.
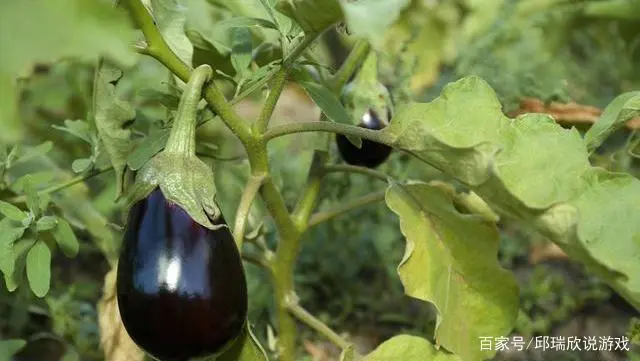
(451, 260)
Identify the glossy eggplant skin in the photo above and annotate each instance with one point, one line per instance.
(181, 287)
(372, 154)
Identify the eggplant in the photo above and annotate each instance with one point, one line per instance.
(181, 287)
(371, 154)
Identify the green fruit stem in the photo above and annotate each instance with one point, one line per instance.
(182, 138)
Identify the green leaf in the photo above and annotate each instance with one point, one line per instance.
(33, 152)
(465, 134)
(327, 101)
(98, 29)
(10, 347)
(313, 16)
(46, 223)
(246, 22)
(371, 19)
(33, 199)
(615, 115)
(81, 164)
(78, 128)
(170, 17)
(12, 212)
(405, 348)
(149, 147)
(8, 236)
(39, 268)
(241, 50)
(245, 348)
(20, 249)
(65, 238)
(111, 115)
(451, 260)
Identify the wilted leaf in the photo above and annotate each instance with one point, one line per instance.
(39, 268)
(98, 29)
(114, 339)
(405, 348)
(111, 115)
(65, 238)
(451, 260)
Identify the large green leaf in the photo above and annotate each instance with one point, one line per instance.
(9, 234)
(533, 170)
(47, 30)
(408, 348)
(111, 115)
(65, 238)
(451, 260)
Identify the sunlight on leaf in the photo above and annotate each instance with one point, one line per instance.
(406, 347)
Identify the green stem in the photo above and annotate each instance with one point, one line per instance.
(182, 138)
(248, 195)
(317, 325)
(159, 49)
(355, 169)
(269, 106)
(345, 129)
(71, 182)
(324, 216)
(356, 57)
(298, 49)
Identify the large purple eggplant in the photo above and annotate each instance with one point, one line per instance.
(181, 286)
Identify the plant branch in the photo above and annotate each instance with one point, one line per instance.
(248, 195)
(258, 261)
(356, 57)
(310, 320)
(158, 48)
(345, 129)
(335, 168)
(365, 200)
(298, 49)
(279, 81)
(307, 202)
(71, 182)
